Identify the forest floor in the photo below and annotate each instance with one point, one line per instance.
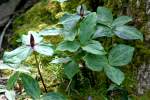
(53, 78)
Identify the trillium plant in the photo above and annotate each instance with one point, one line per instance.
(83, 46)
(32, 43)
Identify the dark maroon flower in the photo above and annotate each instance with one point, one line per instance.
(32, 43)
(82, 11)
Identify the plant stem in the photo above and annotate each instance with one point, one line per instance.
(68, 85)
(38, 66)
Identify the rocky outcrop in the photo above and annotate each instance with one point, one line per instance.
(143, 78)
(8, 7)
(6, 10)
(148, 7)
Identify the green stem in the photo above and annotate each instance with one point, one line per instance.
(38, 67)
(68, 85)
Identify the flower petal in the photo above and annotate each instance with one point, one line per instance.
(44, 49)
(26, 38)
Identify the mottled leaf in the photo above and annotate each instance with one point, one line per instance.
(120, 55)
(94, 47)
(121, 20)
(50, 32)
(70, 69)
(61, 60)
(53, 96)
(87, 28)
(103, 31)
(45, 49)
(69, 22)
(128, 33)
(12, 80)
(31, 86)
(114, 74)
(17, 55)
(95, 62)
(105, 16)
(71, 46)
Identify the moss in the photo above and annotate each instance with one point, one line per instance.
(45, 14)
(31, 19)
(41, 15)
(71, 6)
(53, 39)
(130, 82)
(146, 96)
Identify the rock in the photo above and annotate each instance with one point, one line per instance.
(2, 1)
(148, 7)
(143, 79)
(7, 9)
(29, 3)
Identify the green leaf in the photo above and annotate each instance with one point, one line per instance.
(120, 55)
(23, 69)
(94, 47)
(121, 20)
(10, 94)
(51, 32)
(53, 96)
(95, 62)
(2, 90)
(112, 87)
(105, 16)
(12, 80)
(61, 60)
(14, 67)
(31, 86)
(5, 66)
(128, 33)
(69, 35)
(69, 22)
(71, 46)
(17, 55)
(103, 31)
(45, 49)
(87, 28)
(70, 69)
(26, 38)
(114, 74)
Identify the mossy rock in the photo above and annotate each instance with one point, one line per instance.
(41, 15)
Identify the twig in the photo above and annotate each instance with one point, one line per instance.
(4, 31)
(68, 85)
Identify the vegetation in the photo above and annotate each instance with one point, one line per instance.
(90, 52)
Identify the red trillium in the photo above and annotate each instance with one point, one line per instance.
(81, 11)
(32, 43)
